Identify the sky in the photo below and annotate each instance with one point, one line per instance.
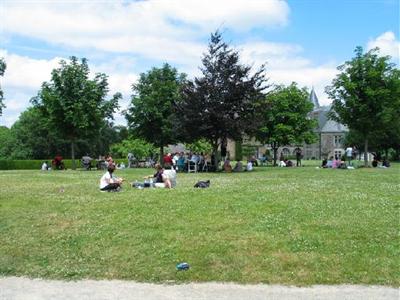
(299, 40)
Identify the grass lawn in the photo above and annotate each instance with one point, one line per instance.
(296, 226)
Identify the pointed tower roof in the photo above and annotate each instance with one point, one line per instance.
(314, 99)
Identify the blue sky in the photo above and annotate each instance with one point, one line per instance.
(301, 40)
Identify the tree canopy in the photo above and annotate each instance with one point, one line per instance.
(138, 147)
(366, 95)
(220, 104)
(150, 115)
(2, 70)
(284, 114)
(75, 105)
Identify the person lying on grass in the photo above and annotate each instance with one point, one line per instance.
(109, 182)
(160, 179)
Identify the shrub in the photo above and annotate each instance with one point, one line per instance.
(8, 164)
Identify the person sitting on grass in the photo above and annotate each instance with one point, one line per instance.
(161, 180)
(109, 182)
(385, 163)
(288, 163)
(58, 162)
(249, 166)
(45, 166)
(324, 163)
(329, 162)
(238, 167)
(227, 166)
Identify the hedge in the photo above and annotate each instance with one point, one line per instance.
(6, 164)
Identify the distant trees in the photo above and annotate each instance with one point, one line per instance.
(32, 138)
(138, 147)
(151, 115)
(284, 118)
(366, 97)
(75, 106)
(221, 103)
(6, 142)
(2, 70)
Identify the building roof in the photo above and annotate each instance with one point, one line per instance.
(333, 127)
(314, 99)
(320, 113)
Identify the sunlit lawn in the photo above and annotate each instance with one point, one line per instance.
(275, 225)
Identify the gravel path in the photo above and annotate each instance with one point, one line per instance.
(17, 288)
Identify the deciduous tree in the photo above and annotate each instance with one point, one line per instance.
(75, 105)
(366, 95)
(284, 114)
(151, 114)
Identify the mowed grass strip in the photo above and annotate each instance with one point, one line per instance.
(296, 226)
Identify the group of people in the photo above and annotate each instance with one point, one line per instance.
(56, 164)
(162, 178)
(182, 162)
(377, 163)
(238, 166)
(334, 163)
(284, 162)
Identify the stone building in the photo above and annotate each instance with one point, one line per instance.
(330, 137)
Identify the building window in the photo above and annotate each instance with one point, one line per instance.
(338, 140)
(338, 154)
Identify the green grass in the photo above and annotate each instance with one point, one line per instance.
(296, 226)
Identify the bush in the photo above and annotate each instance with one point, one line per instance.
(20, 164)
(36, 164)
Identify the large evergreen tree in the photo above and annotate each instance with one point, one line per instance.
(2, 70)
(150, 115)
(366, 95)
(75, 105)
(220, 104)
(284, 114)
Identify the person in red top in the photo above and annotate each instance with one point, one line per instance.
(58, 162)
(167, 160)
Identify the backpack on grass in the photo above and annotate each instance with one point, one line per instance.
(202, 184)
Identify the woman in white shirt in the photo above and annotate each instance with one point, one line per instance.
(109, 182)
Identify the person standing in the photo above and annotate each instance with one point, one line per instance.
(298, 157)
(131, 160)
(349, 155)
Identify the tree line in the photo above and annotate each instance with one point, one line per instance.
(72, 114)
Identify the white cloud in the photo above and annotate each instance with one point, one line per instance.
(24, 77)
(27, 73)
(276, 55)
(240, 15)
(388, 45)
(150, 28)
(285, 64)
(318, 77)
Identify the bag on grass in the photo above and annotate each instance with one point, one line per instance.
(202, 184)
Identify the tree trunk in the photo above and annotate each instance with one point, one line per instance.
(215, 153)
(73, 154)
(275, 153)
(162, 155)
(366, 153)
